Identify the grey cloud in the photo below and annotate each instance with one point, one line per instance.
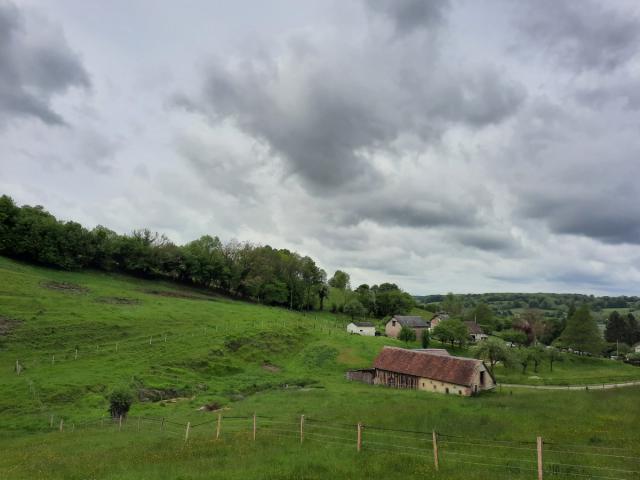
(490, 241)
(326, 112)
(575, 172)
(411, 213)
(35, 64)
(596, 215)
(410, 15)
(581, 35)
(624, 90)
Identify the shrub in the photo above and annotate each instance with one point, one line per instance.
(407, 335)
(120, 401)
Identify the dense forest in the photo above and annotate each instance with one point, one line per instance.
(256, 272)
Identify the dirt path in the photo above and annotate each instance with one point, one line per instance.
(594, 386)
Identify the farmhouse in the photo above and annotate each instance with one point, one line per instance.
(417, 324)
(402, 368)
(437, 318)
(475, 332)
(367, 329)
(636, 347)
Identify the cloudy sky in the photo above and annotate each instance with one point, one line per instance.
(444, 145)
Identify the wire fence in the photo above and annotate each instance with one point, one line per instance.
(533, 458)
(137, 344)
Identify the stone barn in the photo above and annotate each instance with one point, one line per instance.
(435, 372)
(415, 323)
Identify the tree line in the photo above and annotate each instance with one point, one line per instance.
(258, 272)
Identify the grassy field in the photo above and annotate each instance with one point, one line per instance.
(193, 349)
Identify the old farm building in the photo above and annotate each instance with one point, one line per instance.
(417, 324)
(367, 329)
(433, 371)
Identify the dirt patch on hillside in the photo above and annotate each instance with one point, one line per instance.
(7, 324)
(64, 287)
(174, 294)
(118, 300)
(271, 368)
(161, 394)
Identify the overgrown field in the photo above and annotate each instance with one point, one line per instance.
(76, 336)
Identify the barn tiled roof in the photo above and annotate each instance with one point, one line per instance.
(410, 321)
(456, 370)
(434, 351)
(363, 324)
(474, 328)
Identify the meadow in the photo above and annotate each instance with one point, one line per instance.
(76, 336)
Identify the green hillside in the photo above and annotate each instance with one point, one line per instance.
(76, 336)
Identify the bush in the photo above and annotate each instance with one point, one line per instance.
(407, 335)
(425, 339)
(120, 401)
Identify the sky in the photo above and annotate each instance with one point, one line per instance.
(442, 145)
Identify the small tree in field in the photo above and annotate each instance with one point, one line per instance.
(120, 402)
(554, 355)
(407, 335)
(424, 338)
(493, 350)
(354, 308)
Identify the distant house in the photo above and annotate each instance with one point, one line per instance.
(362, 328)
(636, 348)
(437, 318)
(475, 332)
(417, 324)
(435, 372)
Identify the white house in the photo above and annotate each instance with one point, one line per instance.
(475, 332)
(636, 348)
(362, 328)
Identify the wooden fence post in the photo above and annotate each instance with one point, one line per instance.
(434, 436)
(539, 444)
(254, 427)
(301, 428)
(61, 424)
(186, 432)
(53, 359)
(18, 367)
(359, 446)
(73, 427)
(120, 423)
(75, 357)
(102, 421)
(218, 426)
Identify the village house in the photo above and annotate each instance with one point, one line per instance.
(476, 333)
(367, 329)
(417, 324)
(437, 318)
(435, 372)
(636, 348)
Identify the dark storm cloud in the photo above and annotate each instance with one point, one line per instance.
(410, 15)
(595, 215)
(581, 35)
(490, 241)
(35, 65)
(411, 213)
(326, 111)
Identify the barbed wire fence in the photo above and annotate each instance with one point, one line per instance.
(534, 458)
